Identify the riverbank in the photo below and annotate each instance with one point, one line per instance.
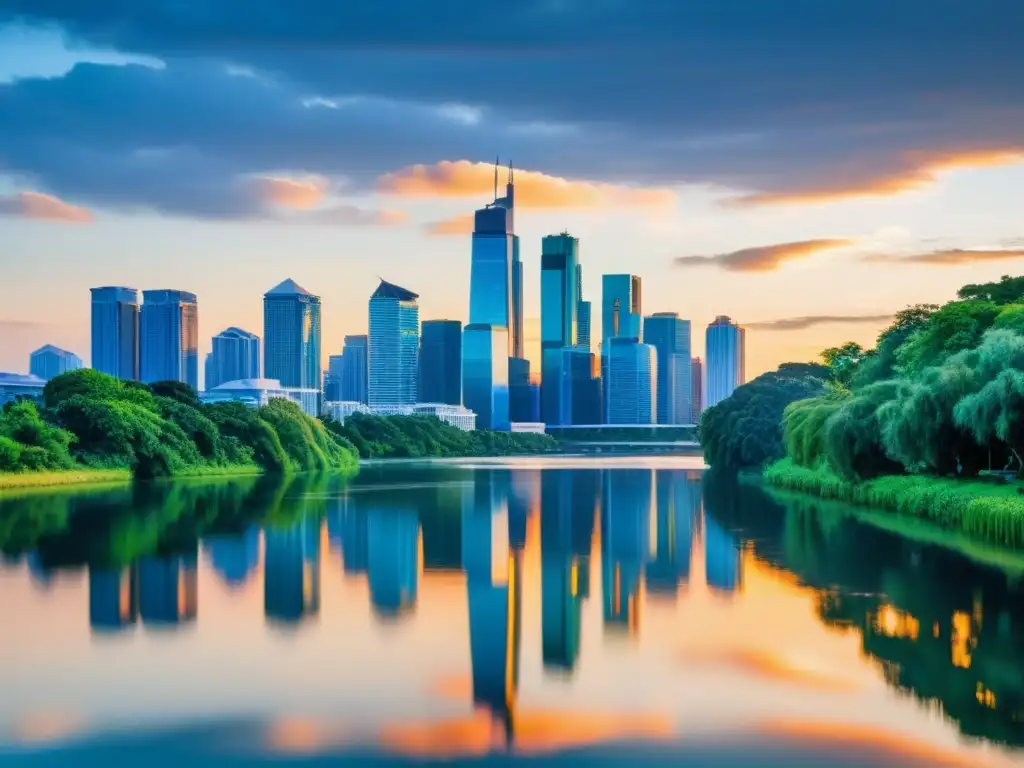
(989, 512)
(85, 476)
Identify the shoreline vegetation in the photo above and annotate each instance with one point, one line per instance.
(928, 425)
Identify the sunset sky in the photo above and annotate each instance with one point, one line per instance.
(806, 167)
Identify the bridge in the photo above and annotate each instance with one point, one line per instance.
(632, 438)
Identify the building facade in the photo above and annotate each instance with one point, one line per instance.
(670, 337)
(291, 336)
(354, 375)
(115, 332)
(696, 389)
(725, 349)
(523, 393)
(235, 355)
(258, 392)
(559, 307)
(18, 386)
(50, 361)
(441, 362)
(629, 371)
(332, 378)
(621, 307)
(456, 415)
(393, 346)
(169, 337)
(580, 398)
(485, 375)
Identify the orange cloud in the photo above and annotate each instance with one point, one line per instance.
(352, 216)
(762, 258)
(947, 258)
(36, 205)
(290, 193)
(911, 170)
(534, 189)
(458, 225)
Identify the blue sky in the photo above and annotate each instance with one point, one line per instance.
(829, 163)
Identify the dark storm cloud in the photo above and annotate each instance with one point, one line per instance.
(782, 100)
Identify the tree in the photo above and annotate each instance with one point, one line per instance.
(1009, 290)
(843, 361)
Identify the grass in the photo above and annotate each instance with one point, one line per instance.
(987, 511)
(12, 480)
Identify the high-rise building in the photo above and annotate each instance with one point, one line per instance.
(696, 389)
(580, 398)
(485, 375)
(393, 346)
(115, 332)
(169, 337)
(583, 309)
(559, 304)
(621, 307)
(354, 369)
(333, 376)
(441, 362)
(235, 356)
(670, 337)
(49, 361)
(629, 378)
(291, 336)
(725, 348)
(523, 394)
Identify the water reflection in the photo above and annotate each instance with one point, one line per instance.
(514, 579)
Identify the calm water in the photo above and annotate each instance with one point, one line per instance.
(619, 612)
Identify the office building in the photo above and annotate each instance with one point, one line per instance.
(235, 355)
(50, 361)
(441, 362)
(291, 336)
(670, 337)
(169, 337)
(332, 378)
(629, 378)
(354, 370)
(115, 332)
(725, 350)
(456, 415)
(580, 397)
(621, 307)
(523, 394)
(18, 386)
(258, 392)
(492, 299)
(559, 305)
(696, 389)
(393, 346)
(485, 375)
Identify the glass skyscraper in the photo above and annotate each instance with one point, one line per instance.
(559, 304)
(393, 346)
(235, 356)
(115, 332)
(169, 337)
(696, 389)
(441, 362)
(485, 375)
(49, 361)
(725, 349)
(332, 378)
(621, 307)
(291, 336)
(354, 375)
(629, 377)
(670, 337)
(580, 398)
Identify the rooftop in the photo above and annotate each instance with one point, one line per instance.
(288, 288)
(249, 384)
(237, 333)
(51, 349)
(21, 378)
(388, 290)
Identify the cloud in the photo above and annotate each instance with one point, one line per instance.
(35, 205)
(353, 216)
(810, 321)
(946, 258)
(534, 189)
(290, 193)
(457, 225)
(763, 258)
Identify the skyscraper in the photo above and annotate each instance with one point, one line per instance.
(580, 398)
(583, 312)
(236, 355)
(485, 372)
(354, 375)
(169, 337)
(393, 346)
(629, 377)
(49, 361)
(291, 336)
(559, 304)
(696, 389)
(441, 362)
(332, 377)
(670, 337)
(115, 332)
(621, 307)
(725, 347)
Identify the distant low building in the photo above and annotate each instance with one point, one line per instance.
(259, 392)
(50, 361)
(18, 386)
(533, 428)
(456, 415)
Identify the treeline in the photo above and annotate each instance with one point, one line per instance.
(91, 420)
(383, 437)
(942, 393)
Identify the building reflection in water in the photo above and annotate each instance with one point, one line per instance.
(626, 512)
(722, 558)
(393, 560)
(168, 589)
(113, 598)
(291, 586)
(677, 501)
(235, 558)
(346, 528)
(493, 584)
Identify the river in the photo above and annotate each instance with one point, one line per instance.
(619, 611)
